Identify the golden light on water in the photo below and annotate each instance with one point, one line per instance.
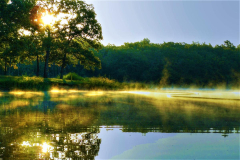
(26, 94)
(56, 90)
(74, 91)
(193, 94)
(17, 103)
(169, 96)
(59, 90)
(95, 93)
(45, 147)
(139, 92)
(17, 92)
(26, 143)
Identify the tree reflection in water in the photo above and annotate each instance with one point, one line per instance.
(62, 125)
(84, 144)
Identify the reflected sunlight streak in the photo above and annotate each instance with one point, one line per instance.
(203, 94)
(139, 92)
(169, 96)
(17, 92)
(95, 93)
(26, 94)
(26, 143)
(45, 147)
(56, 90)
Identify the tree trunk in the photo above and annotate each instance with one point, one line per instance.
(47, 55)
(18, 68)
(5, 69)
(37, 66)
(9, 68)
(46, 64)
(63, 65)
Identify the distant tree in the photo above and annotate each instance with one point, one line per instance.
(228, 44)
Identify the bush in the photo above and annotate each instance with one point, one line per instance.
(72, 76)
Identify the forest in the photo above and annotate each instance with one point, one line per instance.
(170, 63)
(28, 47)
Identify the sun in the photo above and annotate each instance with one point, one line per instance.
(48, 19)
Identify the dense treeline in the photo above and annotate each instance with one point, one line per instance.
(172, 63)
(167, 63)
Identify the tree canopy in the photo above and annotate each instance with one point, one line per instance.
(71, 36)
(171, 63)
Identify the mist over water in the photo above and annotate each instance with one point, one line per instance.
(87, 124)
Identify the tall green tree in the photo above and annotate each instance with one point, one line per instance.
(14, 15)
(80, 34)
(75, 28)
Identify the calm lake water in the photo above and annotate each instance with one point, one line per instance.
(74, 125)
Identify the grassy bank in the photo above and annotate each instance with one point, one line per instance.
(40, 84)
(72, 81)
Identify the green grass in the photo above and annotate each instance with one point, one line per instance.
(23, 83)
(8, 83)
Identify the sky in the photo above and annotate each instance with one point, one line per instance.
(168, 21)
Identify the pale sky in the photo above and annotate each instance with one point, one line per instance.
(176, 21)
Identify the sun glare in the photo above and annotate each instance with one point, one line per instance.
(24, 32)
(25, 143)
(56, 90)
(17, 92)
(45, 147)
(139, 92)
(47, 18)
(94, 93)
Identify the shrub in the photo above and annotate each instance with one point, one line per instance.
(72, 76)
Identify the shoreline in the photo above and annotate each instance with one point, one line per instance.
(23, 83)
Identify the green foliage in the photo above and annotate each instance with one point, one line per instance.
(80, 26)
(172, 63)
(13, 17)
(37, 83)
(76, 36)
(166, 64)
(72, 76)
(23, 83)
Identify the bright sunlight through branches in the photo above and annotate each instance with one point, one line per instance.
(48, 19)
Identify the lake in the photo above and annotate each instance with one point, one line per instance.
(164, 124)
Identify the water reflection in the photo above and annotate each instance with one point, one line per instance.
(50, 144)
(61, 124)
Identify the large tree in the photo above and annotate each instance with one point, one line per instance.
(80, 33)
(13, 16)
(75, 30)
